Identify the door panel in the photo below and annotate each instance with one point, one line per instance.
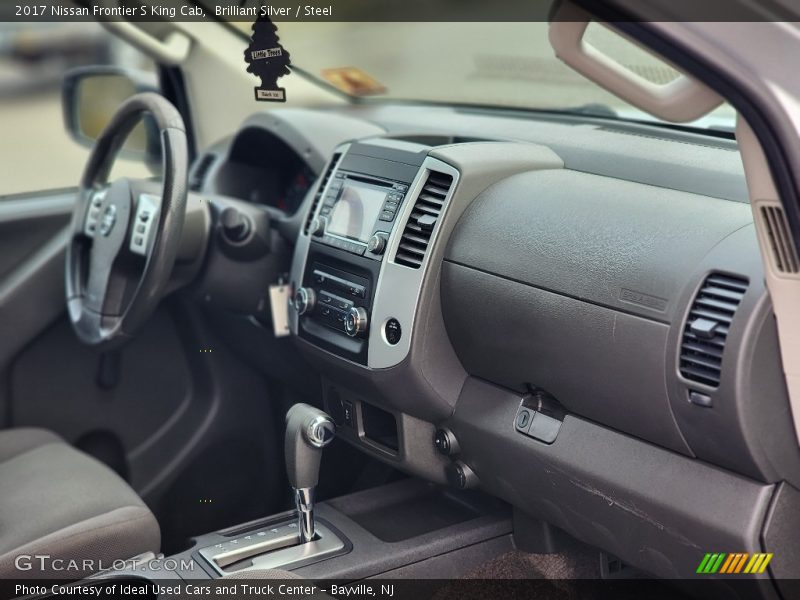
(187, 423)
(32, 241)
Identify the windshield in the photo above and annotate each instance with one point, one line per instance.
(488, 64)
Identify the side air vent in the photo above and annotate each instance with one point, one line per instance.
(707, 328)
(320, 190)
(784, 253)
(418, 230)
(200, 172)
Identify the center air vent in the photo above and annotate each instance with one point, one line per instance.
(419, 228)
(320, 190)
(707, 328)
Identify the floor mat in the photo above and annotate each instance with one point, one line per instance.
(577, 564)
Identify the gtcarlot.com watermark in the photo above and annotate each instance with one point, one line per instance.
(46, 562)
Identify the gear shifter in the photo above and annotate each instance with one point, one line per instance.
(308, 431)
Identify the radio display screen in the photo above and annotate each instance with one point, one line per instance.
(356, 212)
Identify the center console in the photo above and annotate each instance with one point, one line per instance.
(360, 260)
(404, 529)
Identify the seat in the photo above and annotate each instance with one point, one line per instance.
(59, 502)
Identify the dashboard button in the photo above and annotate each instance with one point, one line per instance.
(317, 227)
(377, 243)
(523, 420)
(460, 476)
(544, 428)
(387, 216)
(355, 322)
(342, 304)
(699, 399)
(393, 331)
(349, 414)
(445, 442)
(356, 290)
(304, 300)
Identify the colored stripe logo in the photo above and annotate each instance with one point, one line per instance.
(734, 563)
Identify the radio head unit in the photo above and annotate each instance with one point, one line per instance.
(359, 262)
(357, 213)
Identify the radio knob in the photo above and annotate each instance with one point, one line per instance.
(304, 300)
(355, 322)
(317, 227)
(377, 243)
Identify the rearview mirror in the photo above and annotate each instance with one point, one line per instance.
(91, 96)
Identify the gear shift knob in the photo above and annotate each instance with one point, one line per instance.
(308, 431)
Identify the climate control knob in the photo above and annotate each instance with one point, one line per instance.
(377, 243)
(304, 300)
(355, 322)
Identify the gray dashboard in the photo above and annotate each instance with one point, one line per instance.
(585, 271)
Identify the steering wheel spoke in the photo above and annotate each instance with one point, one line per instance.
(99, 284)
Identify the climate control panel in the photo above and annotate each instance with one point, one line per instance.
(333, 303)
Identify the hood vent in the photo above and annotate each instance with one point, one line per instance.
(419, 228)
(707, 328)
(320, 190)
(200, 172)
(784, 254)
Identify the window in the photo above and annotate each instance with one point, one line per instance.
(36, 151)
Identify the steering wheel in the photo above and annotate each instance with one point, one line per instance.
(125, 234)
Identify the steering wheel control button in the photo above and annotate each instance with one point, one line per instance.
(393, 331)
(107, 220)
(445, 442)
(304, 300)
(93, 215)
(146, 207)
(523, 420)
(355, 322)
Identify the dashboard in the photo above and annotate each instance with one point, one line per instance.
(568, 314)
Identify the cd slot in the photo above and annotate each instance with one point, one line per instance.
(370, 180)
